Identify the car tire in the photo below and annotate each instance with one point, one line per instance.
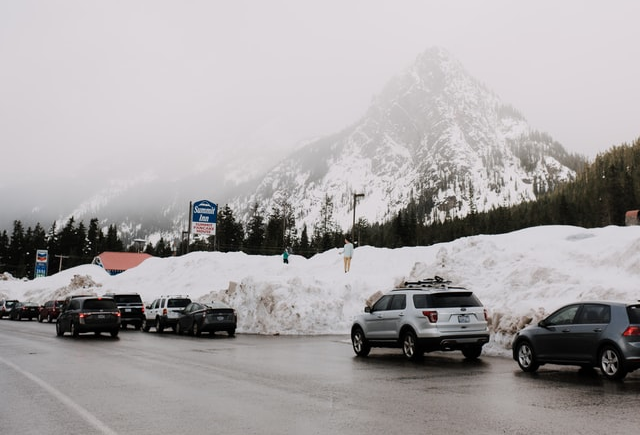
(611, 363)
(159, 326)
(410, 346)
(74, 329)
(49, 318)
(178, 329)
(472, 353)
(359, 342)
(231, 332)
(114, 332)
(59, 331)
(196, 330)
(40, 319)
(145, 325)
(526, 357)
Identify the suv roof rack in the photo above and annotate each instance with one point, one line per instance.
(435, 282)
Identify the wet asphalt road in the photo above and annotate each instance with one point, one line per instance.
(149, 383)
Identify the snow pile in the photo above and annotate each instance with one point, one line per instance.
(520, 277)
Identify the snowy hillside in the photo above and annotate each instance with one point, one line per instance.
(519, 277)
(434, 135)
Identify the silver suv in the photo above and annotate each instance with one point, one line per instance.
(164, 312)
(423, 316)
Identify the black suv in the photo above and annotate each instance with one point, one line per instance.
(131, 308)
(423, 316)
(89, 314)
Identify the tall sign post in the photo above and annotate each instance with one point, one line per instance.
(42, 260)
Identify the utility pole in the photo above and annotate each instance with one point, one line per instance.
(353, 227)
(61, 257)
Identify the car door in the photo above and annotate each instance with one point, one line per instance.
(554, 335)
(374, 319)
(591, 323)
(386, 317)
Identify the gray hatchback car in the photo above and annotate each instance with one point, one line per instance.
(423, 316)
(587, 334)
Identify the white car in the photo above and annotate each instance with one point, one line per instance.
(164, 312)
(423, 316)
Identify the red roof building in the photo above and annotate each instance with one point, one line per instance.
(118, 262)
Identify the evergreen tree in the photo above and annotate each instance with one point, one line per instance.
(255, 232)
(229, 233)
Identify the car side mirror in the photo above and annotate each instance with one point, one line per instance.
(367, 309)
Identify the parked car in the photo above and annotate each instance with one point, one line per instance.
(199, 317)
(131, 308)
(6, 305)
(24, 310)
(164, 312)
(423, 316)
(587, 334)
(50, 310)
(89, 314)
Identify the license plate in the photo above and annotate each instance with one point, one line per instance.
(220, 317)
(101, 316)
(463, 318)
(127, 310)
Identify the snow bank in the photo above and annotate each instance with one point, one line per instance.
(520, 277)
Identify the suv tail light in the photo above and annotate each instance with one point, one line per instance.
(164, 311)
(431, 315)
(486, 315)
(631, 331)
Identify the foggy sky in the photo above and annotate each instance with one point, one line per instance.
(93, 88)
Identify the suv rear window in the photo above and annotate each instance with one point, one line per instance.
(100, 304)
(634, 313)
(127, 299)
(446, 300)
(178, 303)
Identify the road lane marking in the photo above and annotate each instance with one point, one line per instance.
(66, 400)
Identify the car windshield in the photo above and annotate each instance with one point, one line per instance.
(178, 303)
(100, 304)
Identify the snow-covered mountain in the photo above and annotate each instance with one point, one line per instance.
(434, 135)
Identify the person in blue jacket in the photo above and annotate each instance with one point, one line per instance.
(347, 252)
(285, 256)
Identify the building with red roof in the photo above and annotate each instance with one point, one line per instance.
(117, 262)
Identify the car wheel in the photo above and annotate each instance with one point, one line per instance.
(74, 329)
(49, 318)
(145, 325)
(159, 326)
(178, 329)
(114, 332)
(410, 346)
(59, 331)
(611, 363)
(231, 332)
(472, 352)
(196, 330)
(359, 342)
(40, 319)
(527, 357)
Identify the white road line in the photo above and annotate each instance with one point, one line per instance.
(66, 400)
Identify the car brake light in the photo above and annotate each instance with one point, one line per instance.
(81, 315)
(431, 315)
(164, 311)
(486, 315)
(631, 331)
